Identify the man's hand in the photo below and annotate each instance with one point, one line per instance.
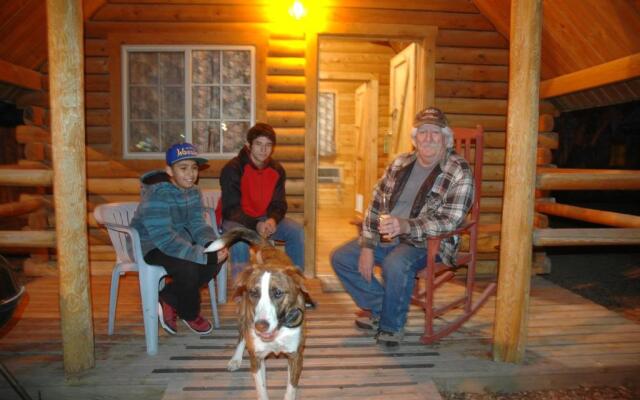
(391, 226)
(365, 263)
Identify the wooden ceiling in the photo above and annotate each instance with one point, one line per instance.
(577, 34)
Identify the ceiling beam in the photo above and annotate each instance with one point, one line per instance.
(20, 76)
(599, 75)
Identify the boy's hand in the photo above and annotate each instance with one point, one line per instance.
(266, 228)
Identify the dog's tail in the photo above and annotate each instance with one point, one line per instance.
(233, 235)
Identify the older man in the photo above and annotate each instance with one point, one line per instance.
(425, 193)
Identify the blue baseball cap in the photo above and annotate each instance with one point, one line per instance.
(183, 151)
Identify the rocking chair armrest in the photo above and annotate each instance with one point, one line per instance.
(133, 235)
(458, 231)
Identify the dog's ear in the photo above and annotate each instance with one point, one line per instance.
(297, 276)
(240, 286)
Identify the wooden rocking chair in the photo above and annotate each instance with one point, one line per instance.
(435, 274)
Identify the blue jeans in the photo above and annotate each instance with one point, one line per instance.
(288, 231)
(390, 302)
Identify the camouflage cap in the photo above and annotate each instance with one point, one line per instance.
(430, 115)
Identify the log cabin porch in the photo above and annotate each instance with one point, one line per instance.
(571, 341)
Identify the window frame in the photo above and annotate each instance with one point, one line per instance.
(187, 50)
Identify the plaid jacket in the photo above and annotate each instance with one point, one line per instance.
(441, 205)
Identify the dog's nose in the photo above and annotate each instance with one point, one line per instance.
(262, 325)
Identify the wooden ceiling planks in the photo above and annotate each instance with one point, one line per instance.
(577, 34)
(24, 36)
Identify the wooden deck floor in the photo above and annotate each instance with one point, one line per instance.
(571, 341)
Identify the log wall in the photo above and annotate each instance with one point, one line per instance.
(471, 87)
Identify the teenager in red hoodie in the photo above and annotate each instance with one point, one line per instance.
(253, 196)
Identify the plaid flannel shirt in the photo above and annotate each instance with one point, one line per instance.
(441, 205)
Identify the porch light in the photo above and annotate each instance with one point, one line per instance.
(297, 10)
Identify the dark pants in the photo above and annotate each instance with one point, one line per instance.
(182, 292)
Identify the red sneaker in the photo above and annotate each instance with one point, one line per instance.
(168, 317)
(199, 325)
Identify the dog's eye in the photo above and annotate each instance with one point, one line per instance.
(254, 293)
(277, 293)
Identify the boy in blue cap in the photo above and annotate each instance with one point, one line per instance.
(174, 234)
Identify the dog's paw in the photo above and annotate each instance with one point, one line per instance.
(234, 364)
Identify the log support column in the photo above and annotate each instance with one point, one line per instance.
(512, 304)
(66, 86)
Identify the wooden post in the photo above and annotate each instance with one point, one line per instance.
(512, 303)
(311, 154)
(66, 86)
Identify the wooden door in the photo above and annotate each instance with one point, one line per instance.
(366, 135)
(402, 100)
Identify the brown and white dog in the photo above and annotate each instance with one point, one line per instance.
(272, 297)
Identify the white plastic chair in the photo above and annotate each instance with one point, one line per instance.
(126, 242)
(210, 199)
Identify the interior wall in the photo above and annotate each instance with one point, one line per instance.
(361, 57)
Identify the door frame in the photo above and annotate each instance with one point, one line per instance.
(423, 35)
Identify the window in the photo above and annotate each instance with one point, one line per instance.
(326, 124)
(203, 95)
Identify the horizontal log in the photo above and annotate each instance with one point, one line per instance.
(95, 47)
(472, 106)
(404, 20)
(589, 215)
(488, 122)
(290, 136)
(31, 98)
(286, 48)
(38, 151)
(286, 84)
(491, 204)
(20, 76)
(34, 115)
(26, 177)
(28, 239)
(462, 72)
(289, 153)
(97, 100)
(99, 152)
(96, 82)
(548, 140)
(285, 66)
(285, 102)
(98, 117)
(587, 179)
(482, 90)
(586, 237)
(462, 38)
(22, 207)
(98, 134)
(96, 65)
(465, 55)
(545, 123)
(31, 134)
(288, 119)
